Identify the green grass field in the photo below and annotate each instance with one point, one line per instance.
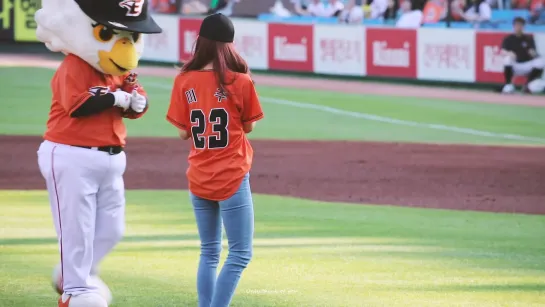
(307, 253)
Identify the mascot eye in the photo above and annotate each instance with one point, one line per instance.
(135, 37)
(103, 34)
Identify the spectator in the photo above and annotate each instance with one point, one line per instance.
(379, 7)
(479, 11)
(333, 8)
(410, 18)
(537, 12)
(352, 13)
(392, 10)
(164, 6)
(520, 56)
(456, 10)
(224, 7)
(299, 7)
(316, 8)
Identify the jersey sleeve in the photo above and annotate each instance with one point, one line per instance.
(73, 90)
(178, 110)
(251, 108)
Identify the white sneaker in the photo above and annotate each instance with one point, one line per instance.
(508, 89)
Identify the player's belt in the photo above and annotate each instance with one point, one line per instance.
(112, 150)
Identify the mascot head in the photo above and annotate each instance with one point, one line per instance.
(107, 34)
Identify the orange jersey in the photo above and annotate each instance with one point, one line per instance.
(74, 82)
(221, 154)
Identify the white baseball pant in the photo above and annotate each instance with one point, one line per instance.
(87, 198)
(523, 68)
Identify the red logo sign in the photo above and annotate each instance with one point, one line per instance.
(391, 53)
(290, 47)
(189, 31)
(488, 57)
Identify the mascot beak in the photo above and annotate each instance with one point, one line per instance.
(121, 59)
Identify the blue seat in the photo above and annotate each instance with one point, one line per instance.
(509, 15)
(373, 22)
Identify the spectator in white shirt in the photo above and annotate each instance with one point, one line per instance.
(333, 8)
(378, 7)
(352, 13)
(409, 19)
(480, 11)
(316, 8)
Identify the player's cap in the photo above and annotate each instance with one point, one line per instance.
(218, 27)
(125, 15)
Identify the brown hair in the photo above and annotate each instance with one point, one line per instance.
(223, 57)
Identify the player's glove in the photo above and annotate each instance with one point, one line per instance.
(122, 99)
(138, 102)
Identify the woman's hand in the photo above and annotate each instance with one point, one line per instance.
(184, 135)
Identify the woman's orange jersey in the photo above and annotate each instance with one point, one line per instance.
(221, 154)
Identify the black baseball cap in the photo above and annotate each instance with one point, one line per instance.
(125, 15)
(218, 27)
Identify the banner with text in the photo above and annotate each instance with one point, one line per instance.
(24, 25)
(6, 19)
(391, 53)
(458, 55)
(339, 50)
(446, 57)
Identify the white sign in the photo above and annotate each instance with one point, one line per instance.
(539, 38)
(446, 54)
(339, 50)
(251, 41)
(164, 46)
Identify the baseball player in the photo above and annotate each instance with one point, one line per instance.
(521, 58)
(82, 158)
(214, 104)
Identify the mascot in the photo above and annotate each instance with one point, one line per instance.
(82, 157)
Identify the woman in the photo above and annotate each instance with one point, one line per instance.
(214, 103)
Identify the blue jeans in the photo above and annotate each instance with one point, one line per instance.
(237, 214)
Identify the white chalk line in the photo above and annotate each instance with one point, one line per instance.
(388, 120)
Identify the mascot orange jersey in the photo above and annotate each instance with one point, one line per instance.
(70, 92)
(221, 154)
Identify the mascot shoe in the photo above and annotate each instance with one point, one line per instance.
(95, 281)
(82, 300)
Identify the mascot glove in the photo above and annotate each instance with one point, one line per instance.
(122, 99)
(138, 102)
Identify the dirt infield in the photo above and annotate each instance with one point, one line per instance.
(499, 179)
(480, 178)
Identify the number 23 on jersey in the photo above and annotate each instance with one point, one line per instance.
(214, 119)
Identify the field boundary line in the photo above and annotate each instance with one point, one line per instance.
(384, 119)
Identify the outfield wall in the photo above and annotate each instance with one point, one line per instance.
(427, 54)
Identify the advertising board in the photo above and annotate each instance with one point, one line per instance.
(163, 46)
(187, 36)
(251, 41)
(446, 57)
(339, 50)
(391, 52)
(290, 47)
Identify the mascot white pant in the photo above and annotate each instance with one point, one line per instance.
(87, 196)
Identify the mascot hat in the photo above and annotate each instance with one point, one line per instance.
(125, 15)
(107, 34)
